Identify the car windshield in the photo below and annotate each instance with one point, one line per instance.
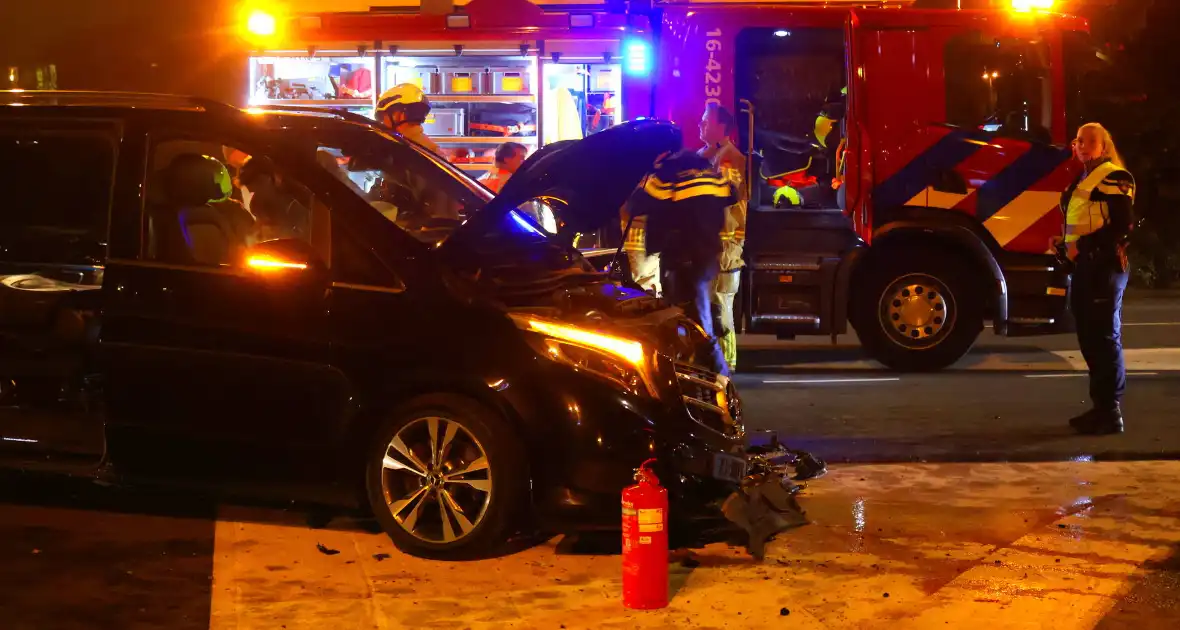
(422, 194)
(1000, 85)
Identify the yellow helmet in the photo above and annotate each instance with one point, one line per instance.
(403, 95)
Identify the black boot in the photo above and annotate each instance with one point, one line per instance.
(1099, 421)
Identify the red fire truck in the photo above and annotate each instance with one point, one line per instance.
(951, 141)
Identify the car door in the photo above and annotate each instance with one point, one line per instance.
(232, 350)
(58, 175)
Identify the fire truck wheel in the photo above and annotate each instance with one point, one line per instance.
(445, 477)
(918, 313)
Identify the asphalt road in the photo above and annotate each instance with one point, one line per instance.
(1009, 400)
(958, 540)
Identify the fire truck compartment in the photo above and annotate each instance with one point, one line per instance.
(794, 260)
(1037, 293)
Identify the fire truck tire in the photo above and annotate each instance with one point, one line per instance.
(445, 476)
(917, 313)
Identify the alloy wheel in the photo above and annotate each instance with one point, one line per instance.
(917, 311)
(436, 480)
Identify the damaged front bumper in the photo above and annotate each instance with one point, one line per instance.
(761, 503)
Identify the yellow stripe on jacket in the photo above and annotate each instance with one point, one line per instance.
(705, 185)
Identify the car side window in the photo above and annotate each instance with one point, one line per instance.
(401, 185)
(208, 202)
(55, 210)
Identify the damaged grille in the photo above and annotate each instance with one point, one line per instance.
(711, 400)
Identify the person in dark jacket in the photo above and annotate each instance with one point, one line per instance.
(685, 200)
(1099, 217)
(264, 193)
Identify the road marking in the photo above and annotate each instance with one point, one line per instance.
(830, 380)
(1081, 374)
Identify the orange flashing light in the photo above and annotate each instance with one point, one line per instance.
(266, 263)
(1027, 6)
(261, 20)
(261, 23)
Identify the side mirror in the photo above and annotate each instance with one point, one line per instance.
(283, 258)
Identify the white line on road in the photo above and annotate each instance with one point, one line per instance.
(810, 381)
(1080, 374)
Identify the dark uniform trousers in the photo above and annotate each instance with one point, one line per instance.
(689, 281)
(1096, 300)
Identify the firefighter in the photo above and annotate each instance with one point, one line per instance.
(684, 200)
(645, 267)
(509, 157)
(830, 137)
(717, 125)
(1099, 216)
(403, 108)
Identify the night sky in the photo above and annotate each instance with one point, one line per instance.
(175, 46)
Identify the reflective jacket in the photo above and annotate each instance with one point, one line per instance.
(685, 202)
(415, 133)
(1098, 210)
(730, 162)
(636, 237)
(495, 178)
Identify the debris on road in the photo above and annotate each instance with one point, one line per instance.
(764, 505)
(381, 556)
(326, 551)
(783, 612)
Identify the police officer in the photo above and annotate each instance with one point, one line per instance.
(717, 125)
(403, 108)
(1098, 221)
(685, 199)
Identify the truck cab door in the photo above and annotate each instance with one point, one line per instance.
(795, 246)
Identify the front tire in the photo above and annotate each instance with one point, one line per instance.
(445, 477)
(917, 313)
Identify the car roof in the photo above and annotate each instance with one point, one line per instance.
(108, 100)
(19, 102)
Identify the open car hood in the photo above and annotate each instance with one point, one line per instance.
(594, 176)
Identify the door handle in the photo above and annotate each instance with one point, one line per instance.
(748, 108)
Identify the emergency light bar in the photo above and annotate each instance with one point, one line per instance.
(1024, 6)
(636, 57)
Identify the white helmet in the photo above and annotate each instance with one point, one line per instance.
(405, 97)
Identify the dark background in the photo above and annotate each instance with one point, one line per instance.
(171, 46)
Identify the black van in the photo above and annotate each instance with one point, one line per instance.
(190, 291)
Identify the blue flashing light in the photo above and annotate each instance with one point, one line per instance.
(636, 57)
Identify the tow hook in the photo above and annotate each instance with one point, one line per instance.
(765, 503)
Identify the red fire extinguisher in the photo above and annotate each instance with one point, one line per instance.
(645, 542)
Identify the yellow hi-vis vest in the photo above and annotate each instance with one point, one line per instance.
(1086, 212)
(635, 239)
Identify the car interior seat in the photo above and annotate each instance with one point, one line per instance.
(184, 225)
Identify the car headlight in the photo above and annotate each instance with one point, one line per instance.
(624, 362)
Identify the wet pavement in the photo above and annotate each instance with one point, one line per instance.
(1063, 545)
(1044, 530)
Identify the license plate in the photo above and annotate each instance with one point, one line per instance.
(728, 467)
